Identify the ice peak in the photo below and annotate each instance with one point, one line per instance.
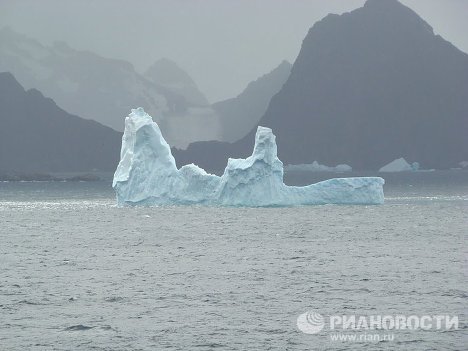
(139, 111)
(265, 145)
(137, 119)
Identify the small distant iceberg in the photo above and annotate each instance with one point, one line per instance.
(463, 165)
(147, 175)
(317, 167)
(400, 165)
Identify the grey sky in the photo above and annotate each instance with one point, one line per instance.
(222, 44)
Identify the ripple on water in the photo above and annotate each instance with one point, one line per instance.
(78, 327)
(183, 278)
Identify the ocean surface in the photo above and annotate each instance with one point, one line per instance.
(79, 273)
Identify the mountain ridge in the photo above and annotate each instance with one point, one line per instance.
(39, 136)
(103, 89)
(167, 73)
(240, 114)
(367, 87)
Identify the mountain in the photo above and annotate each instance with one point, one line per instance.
(371, 86)
(38, 136)
(168, 74)
(240, 115)
(80, 81)
(101, 89)
(368, 86)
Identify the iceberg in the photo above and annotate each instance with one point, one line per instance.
(147, 175)
(400, 165)
(317, 167)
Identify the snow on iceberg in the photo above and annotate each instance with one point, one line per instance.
(147, 175)
(400, 165)
(317, 167)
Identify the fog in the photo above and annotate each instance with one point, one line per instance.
(222, 44)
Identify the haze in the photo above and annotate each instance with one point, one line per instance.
(222, 44)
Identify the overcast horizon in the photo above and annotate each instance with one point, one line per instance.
(222, 44)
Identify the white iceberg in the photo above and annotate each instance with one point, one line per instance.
(400, 165)
(147, 175)
(317, 167)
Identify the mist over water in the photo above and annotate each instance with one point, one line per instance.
(80, 273)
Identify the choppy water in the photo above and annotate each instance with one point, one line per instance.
(78, 273)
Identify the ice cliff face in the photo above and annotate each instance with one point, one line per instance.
(147, 175)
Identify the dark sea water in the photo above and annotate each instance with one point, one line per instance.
(79, 273)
